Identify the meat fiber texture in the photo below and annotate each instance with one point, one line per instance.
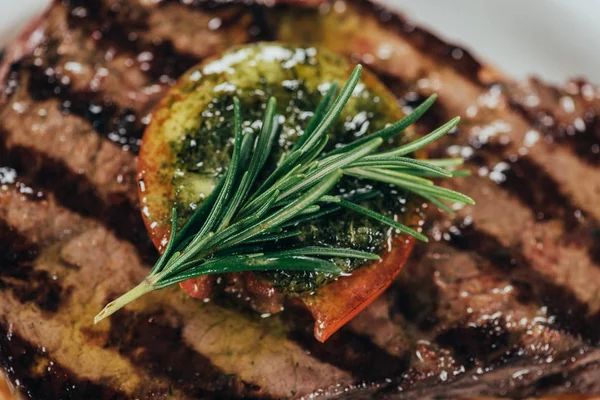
(502, 302)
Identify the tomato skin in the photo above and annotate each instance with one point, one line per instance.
(338, 302)
(200, 288)
(335, 304)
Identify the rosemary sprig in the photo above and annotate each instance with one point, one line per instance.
(228, 231)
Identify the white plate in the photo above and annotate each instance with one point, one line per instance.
(555, 39)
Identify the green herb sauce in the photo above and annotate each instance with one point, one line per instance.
(297, 78)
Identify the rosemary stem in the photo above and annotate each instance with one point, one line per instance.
(231, 230)
(144, 287)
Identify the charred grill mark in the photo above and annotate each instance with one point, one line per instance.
(530, 284)
(581, 133)
(121, 126)
(451, 55)
(584, 144)
(552, 383)
(482, 344)
(260, 29)
(40, 377)
(545, 198)
(537, 190)
(467, 238)
(154, 342)
(354, 353)
(541, 194)
(18, 274)
(417, 300)
(529, 183)
(75, 192)
(549, 383)
(112, 32)
(417, 297)
(347, 351)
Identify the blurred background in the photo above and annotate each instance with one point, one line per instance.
(553, 39)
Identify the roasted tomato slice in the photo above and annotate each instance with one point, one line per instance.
(338, 302)
(186, 149)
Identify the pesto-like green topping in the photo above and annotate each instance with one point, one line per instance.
(246, 224)
(298, 78)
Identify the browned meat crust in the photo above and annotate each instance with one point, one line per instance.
(503, 302)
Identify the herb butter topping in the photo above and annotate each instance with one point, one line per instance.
(200, 135)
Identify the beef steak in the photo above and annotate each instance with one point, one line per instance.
(503, 301)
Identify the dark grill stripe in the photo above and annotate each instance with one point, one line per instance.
(542, 194)
(154, 343)
(76, 193)
(530, 284)
(581, 143)
(19, 276)
(579, 368)
(529, 183)
(448, 54)
(259, 29)
(417, 297)
(119, 34)
(121, 126)
(554, 383)
(584, 144)
(40, 377)
(537, 190)
(235, 8)
(488, 343)
(346, 350)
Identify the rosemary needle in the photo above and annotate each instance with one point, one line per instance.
(227, 231)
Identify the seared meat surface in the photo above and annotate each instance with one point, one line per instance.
(503, 301)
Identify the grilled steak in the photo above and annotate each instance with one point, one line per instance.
(504, 301)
